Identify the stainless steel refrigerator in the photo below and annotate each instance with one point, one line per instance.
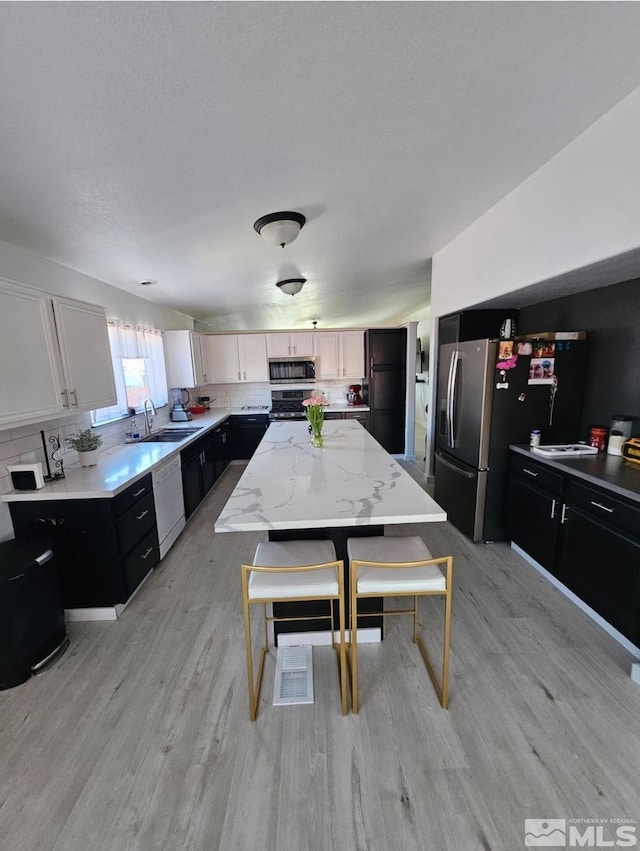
(481, 409)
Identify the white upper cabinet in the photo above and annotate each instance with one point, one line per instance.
(252, 356)
(352, 354)
(238, 358)
(85, 353)
(340, 354)
(55, 356)
(187, 358)
(327, 352)
(290, 345)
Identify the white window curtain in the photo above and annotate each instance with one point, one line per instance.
(139, 352)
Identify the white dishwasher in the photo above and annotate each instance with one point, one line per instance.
(167, 495)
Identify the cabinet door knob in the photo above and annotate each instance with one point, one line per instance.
(150, 550)
(140, 516)
(553, 509)
(137, 493)
(75, 398)
(530, 472)
(65, 398)
(563, 518)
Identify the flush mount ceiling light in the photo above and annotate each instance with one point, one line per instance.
(292, 285)
(279, 228)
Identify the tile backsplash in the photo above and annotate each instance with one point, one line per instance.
(259, 393)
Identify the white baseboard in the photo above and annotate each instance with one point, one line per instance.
(606, 626)
(102, 613)
(371, 635)
(106, 613)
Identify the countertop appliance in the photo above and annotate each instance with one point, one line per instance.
(353, 394)
(292, 370)
(489, 397)
(169, 502)
(287, 405)
(179, 401)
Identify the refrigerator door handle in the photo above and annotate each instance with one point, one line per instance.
(465, 473)
(451, 396)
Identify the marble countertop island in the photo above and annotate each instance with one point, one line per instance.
(350, 481)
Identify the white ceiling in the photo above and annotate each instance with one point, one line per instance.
(142, 140)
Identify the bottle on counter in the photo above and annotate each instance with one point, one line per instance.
(534, 437)
(598, 437)
(616, 441)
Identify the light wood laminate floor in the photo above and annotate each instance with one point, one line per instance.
(139, 737)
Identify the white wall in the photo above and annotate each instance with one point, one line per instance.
(28, 268)
(581, 207)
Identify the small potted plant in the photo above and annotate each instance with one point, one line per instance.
(86, 443)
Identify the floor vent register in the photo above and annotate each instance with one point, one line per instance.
(294, 675)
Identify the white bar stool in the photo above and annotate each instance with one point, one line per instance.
(399, 567)
(293, 570)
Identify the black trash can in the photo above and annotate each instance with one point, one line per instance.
(32, 628)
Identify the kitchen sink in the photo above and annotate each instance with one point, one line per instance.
(170, 435)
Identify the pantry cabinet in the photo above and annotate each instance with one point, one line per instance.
(237, 358)
(289, 345)
(56, 355)
(187, 358)
(340, 354)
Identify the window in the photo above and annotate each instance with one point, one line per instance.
(138, 367)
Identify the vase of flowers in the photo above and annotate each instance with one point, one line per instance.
(314, 410)
(86, 443)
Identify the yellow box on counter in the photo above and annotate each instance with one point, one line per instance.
(631, 449)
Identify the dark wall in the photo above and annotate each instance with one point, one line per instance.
(611, 316)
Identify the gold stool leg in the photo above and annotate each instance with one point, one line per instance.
(354, 641)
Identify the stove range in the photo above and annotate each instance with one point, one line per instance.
(287, 405)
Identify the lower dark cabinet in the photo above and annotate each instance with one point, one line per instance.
(202, 464)
(245, 433)
(588, 537)
(534, 521)
(104, 548)
(602, 566)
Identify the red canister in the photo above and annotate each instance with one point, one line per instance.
(598, 437)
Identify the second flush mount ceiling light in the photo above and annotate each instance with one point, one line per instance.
(280, 228)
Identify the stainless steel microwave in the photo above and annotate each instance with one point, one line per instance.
(292, 370)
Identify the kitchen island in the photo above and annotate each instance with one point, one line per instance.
(350, 487)
(350, 482)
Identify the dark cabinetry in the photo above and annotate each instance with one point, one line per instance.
(534, 508)
(472, 325)
(585, 535)
(599, 556)
(384, 386)
(202, 463)
(361, 416)
(245, 433)
(104, 547)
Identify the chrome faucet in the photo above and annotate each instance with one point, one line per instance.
(148, 416)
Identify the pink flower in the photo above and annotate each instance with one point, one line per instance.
(314, 400)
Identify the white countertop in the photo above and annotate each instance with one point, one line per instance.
(350, 481)
(121, 466)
